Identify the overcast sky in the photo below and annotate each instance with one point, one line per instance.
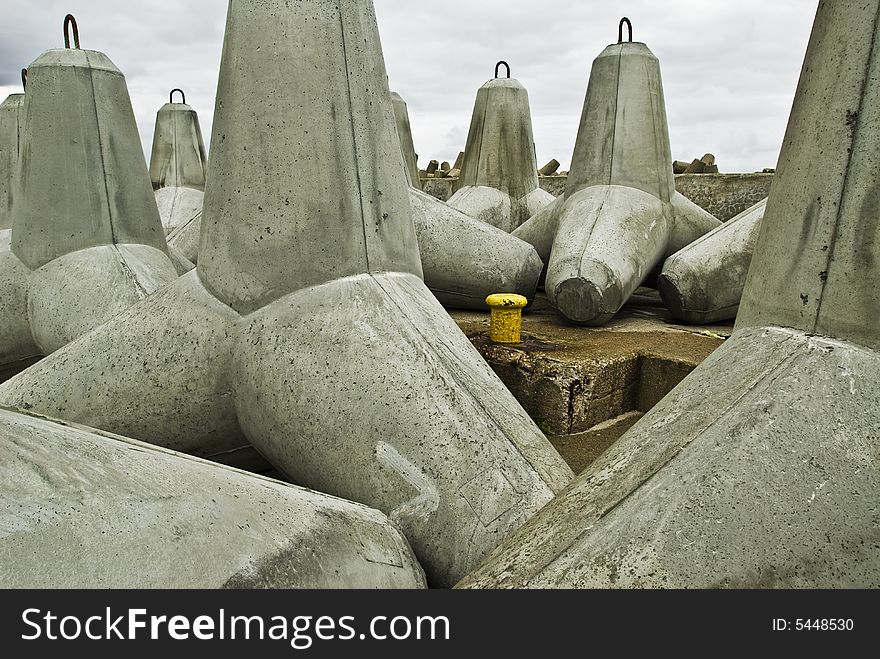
(729, 68)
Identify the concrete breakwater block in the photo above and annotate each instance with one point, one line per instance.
(404, 132)
(306, 329)
(177, 168)
(703, 282)
(465, 260)
(760, 469)
(86, 509)
(620, 215)
(499, 173)
(86, 242)
(11, 124)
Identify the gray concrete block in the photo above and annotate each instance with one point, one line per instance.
(704, 281)
(620, 214)
(404, 132)
(465, 260)
(85, 509)
(499, 179)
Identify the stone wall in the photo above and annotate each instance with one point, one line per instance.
(723, 195)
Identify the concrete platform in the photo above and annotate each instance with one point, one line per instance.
(585, 386)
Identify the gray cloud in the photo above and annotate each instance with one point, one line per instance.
(729, 69)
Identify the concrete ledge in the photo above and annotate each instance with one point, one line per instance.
(723, 195)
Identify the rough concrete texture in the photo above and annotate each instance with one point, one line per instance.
(819, 243)
(177, 166)
(465, 260)
(499, 179)
(178, 157)
(620, 214)
(309, 301)
(80, 129)
(748, 475)
(704, 281)
(85, 509)
(16, 341)
(724, 195)
(760, 469)
(86, 242)
(185, 238)
(11, 118)
(571, 378)
(404, 132)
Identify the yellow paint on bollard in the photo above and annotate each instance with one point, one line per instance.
(506, 321)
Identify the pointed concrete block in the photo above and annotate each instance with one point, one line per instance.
(306, 326)
(499, 174)
(86, 509)
(465, 260)
(620, 214)
(703, 282)
(404, 132)
(760, 469)
(86, 240)
(11, 120)
(177, 164)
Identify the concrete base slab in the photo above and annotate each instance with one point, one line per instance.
(83, 509)
(178, 206)
(756, 472)
(704, 281)
(464, 260)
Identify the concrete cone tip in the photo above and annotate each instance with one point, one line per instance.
(177, 166)
(306, 329)
(86, 242)
(86, 506)
(620, 215)
(499, 180)
(759, 470)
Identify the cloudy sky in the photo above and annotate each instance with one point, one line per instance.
(729, 68)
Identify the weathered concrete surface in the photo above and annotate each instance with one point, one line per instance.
(404, 132)
(16, 341)
(571, 378)
(311, 301)
(820, 240)
(465, 260)
(86, 242)
(184, 238)
(499, 179)
(760, 469)
(620, 214)
(724, 195)
(704, 281)
(80, 130)
(11, 119)
(770, 491)
(178, 157)
(84, 509)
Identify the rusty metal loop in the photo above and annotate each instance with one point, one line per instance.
(24, 78)
(498, 66)
(182, 96)
(68, 21)
(629, 26)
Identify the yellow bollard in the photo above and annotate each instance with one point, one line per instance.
(506, 321)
